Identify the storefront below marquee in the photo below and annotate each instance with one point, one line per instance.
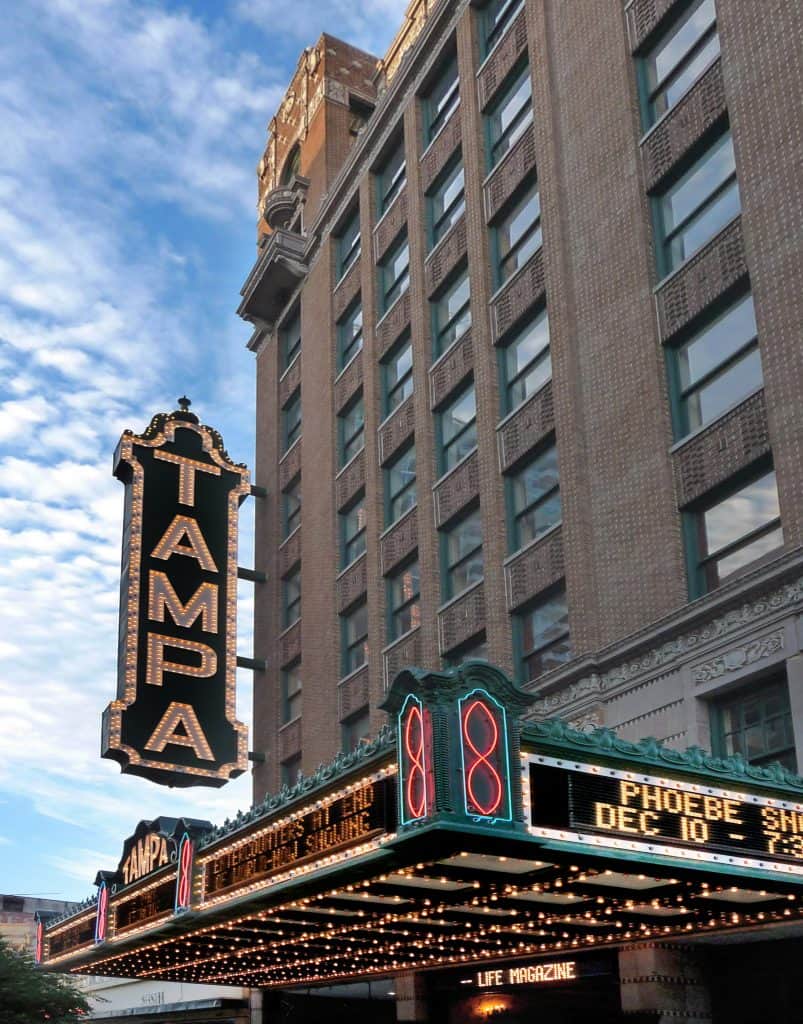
(493, 869)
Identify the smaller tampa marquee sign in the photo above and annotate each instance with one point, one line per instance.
(174, 718)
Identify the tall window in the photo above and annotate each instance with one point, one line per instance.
(291, 693)
(518, 234)
(291, 598)
(289, 340)
(697, 206)
(755, 722)
(349, 334)
(535, 498)
(458, 428)
(545, 635)
(447, 201)
(679, 57)
(526, 361)
(496, 17)
(394, 273)
(400, 481)
(404, 606)
(397, 375)
(291, 507)
(352, 532)
(510, 115)
(451, 313)
(354, 730)
(348, 244)
(719, 366)
(476, 648)
(738, 529)
(291, 769)
(354, 635)
(391, 177)
(462, 544)
(352, 431)
(441, 100)
(291, 420)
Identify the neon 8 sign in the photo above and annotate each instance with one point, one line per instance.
(485, 760)
(102, 914)
(415, 761)
(184, 875)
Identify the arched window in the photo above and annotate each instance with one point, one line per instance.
(291, 166)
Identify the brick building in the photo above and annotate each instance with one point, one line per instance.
(527, 311)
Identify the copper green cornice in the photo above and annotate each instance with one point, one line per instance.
(559, 739)
(442, 688)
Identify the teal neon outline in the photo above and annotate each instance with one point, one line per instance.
(469, 814)
(402, 819)
(176, 908)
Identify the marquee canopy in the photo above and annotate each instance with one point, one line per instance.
(461, 835)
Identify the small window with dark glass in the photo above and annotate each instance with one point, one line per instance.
(291, 769)
(446, 201)
(441, 100)
(348, 244)
(352, 531)
(349, 334)
(291, 420)
(740, 528)
(526, 361)
(679, 57)
(701, 203)
(400, 485)
(756, 722)
(291, 507)
(291, 598)
(451, 313)
(354, 730)
(391, 176)
(397, 375)
(475, 649)
(510, 115)
(545, 635)
(458, 428)
(291, 693)
(718, 367)
(352, 431)
(496, 16)
(354, 626)
(462, 545)
(518, 234)
(404, 609)
(289, 339)
(394, 273)
(535, 498)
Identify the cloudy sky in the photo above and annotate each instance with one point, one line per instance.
(130, 135)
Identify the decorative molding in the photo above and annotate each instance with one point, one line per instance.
(738, 657)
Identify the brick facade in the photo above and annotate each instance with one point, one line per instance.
(645, 659)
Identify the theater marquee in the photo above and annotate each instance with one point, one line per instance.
(174, 719)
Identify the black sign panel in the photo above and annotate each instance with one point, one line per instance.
(657, 812)
(352, 819)
(146, 907)
(71, 937)
(174, 717)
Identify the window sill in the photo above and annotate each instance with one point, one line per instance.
(513, 18)
(388, 208)
(512, 278)
(399, 639)
(340, 373)
(459, 597)
(285, 453)
(688, 438)
(450, 350)
(343, 468)
(515, 411)
(395, 523)
(696, 255)
(290, 366)
(288, 538)
(351, 675)
(439, 132)
(504, 159)
(532, 543)
(292, 721)
(454, 468)
(345, 273)
(392, 413)
(390, 309)
(286, 629)
(668, 113)
(453, 227)
(351, 565)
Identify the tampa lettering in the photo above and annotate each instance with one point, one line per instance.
(179, 725)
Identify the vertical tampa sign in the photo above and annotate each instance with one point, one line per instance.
(174, 719)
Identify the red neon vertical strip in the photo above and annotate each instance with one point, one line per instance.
(480, 762)
(185, 875)
(103, 906)
(40, 937)
(415, 793)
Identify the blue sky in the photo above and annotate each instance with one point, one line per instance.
(129, 136)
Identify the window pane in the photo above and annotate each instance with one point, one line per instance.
(526, 361)
(291, 500)
(350, 334)
(545, 636)
(511, 116)
(350, 243)
(717, 342)
(459, 415)
(442, 99)
(395, 273)
(519, 234)
(678, 85)
(499, 14)
(704, 225)
(392, 177)
(453, 313)
(697, 184)
(722, 391)
(290, 335)
(757, 724)
(673, 61)
(741, 513)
